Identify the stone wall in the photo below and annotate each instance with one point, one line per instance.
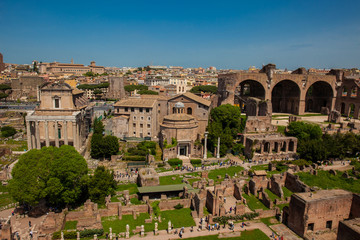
(266, 213)
(170, 204)
(276, 184)
(210, 201)
(53, 222)
(237, 191)
(294, 184)
(349, 230)
(264, 198)
(355, 206)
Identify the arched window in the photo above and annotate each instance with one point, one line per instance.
(189, 111)
(344, 92)
(354, 92)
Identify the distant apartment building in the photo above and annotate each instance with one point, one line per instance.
(76, 69)
(136, 117)
(157, 81)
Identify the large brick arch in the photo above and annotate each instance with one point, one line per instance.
(227, 84)
(285, 96)
(319, 94)
(248, 88)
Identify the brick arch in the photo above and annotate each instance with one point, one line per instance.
(317, 95)
(285, 97)
(248, 88)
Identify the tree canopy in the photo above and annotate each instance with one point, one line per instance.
(4, 87)
(225, 122)
(205, 88)
(148, 92)
(93, 86)
(131, 88)
(7, 131)
(57, 175)
(102, 184)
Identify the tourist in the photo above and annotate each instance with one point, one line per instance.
(30, 224)
(31, 234)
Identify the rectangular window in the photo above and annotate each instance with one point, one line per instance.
(148, 110)
(328, 224)
(310, 227)
(141, 125)
(134, 125)
(132, 109)
(57, 103)
(126, 109)
(148, 126)
(140, 110)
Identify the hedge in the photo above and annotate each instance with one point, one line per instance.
(224, 219)
(175, 162)
(195, 161)
(135, 158)
(83, 234)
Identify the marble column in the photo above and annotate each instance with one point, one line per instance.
(56, 134)
(66, 141)
(33, 143)
(47, 142)
(74, 135)
(205, 146)
(218, 149)
(37, 135)
(28, 133)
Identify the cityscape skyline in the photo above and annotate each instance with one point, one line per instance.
(227, 34)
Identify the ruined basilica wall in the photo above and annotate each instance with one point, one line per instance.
(170, 204)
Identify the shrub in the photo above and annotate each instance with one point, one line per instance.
(225, 219)
(156, 208)
(178, 206)
(175, 162)
(8, 131)
(135, 158)
(195, 161)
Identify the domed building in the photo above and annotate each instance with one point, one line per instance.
(179, 134)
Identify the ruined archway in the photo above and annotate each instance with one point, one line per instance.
(248, 88)
(285, 97)
(318, 95)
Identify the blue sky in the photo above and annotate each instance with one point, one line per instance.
(224, 34)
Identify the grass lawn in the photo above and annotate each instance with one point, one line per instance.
(179, 218)
(287, 192)
(132, 187)
(281, 206)
(253, 202)
(5, 199)
(325, 180)
(115, 198)
(70, 225)
(255, 234)
(260, 167)
(269, 221)
(222, 171)
(271, 195)
(136, 201)
(167, 180)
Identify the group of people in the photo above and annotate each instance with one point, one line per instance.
(181, 231)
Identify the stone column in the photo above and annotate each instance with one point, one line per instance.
(78, 137)
(66, 141)
(127, 233)
(77, 235)
(37, 133)
(110, 234)
(28, 133)
(205, 145)
(142, 231)
(203, 224)
(156, 228)
(169, 227)
(33, 143)
(74, 135)
(218, 149)
(56, 134)
(47, 142)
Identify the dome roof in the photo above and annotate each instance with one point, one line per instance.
(179, 105)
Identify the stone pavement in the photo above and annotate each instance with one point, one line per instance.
(163, 235)
(284, 231)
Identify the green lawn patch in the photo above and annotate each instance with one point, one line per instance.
(70, 225)
(269, 221)
(260, 167)
(136, 201)
(255, 234)
(281, 129)
(167, 180)
(132, 187)
(254, 203)
(5, 199)
(179, 218)
(281, 206)
(287, 192)
(222, 171)
(115, 198)
(271, 195)
(325, 180)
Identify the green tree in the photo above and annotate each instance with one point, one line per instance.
(98, 126)
(148, 92)
(304, 131)
(56, 175)
(101, 184)
(8, 131)
(3, 95)
(103, 147)
(225, 122)
(131, 88)
(89, 74)
(4, 87)
(111, 144)
(206, 88)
